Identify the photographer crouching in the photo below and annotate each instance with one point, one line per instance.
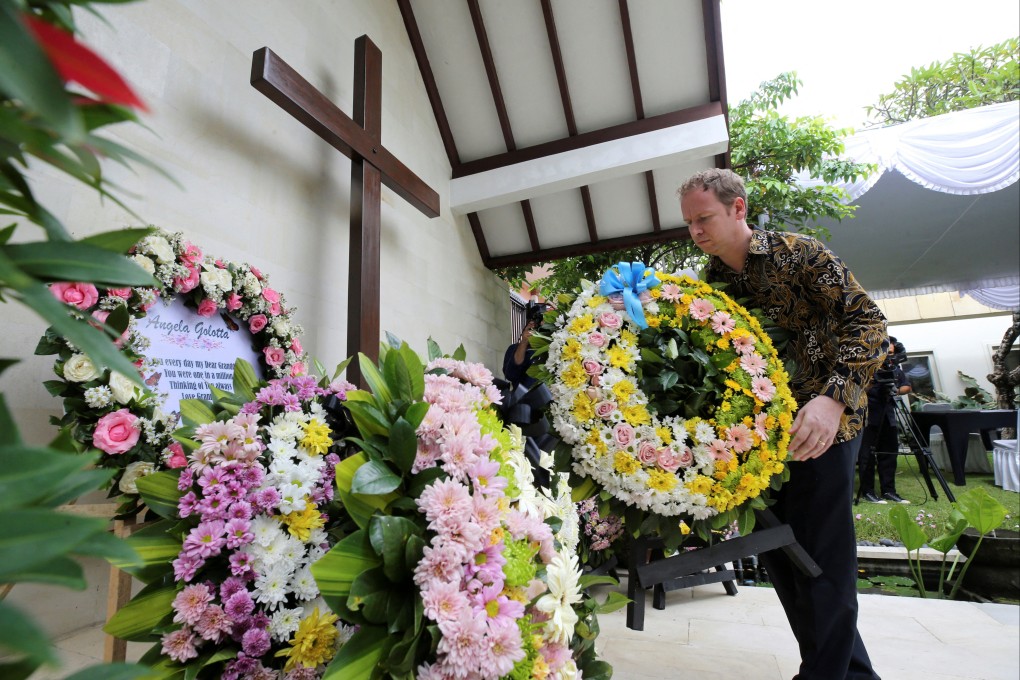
(881, 434)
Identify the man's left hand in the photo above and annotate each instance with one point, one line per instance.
(815, 427)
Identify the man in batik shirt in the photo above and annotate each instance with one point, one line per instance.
(838, 341)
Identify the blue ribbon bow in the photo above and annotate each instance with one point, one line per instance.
(631, 279)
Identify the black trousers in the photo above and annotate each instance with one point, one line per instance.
(883, 437)
(816, 503)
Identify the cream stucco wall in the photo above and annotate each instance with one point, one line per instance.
(257, 186)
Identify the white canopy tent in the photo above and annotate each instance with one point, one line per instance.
(943, 211)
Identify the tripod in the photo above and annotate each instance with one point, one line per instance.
(920, 452)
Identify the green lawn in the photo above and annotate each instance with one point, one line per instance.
(872, 520)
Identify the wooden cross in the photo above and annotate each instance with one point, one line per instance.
(360, 140)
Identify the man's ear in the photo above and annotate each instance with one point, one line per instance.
(740, 207)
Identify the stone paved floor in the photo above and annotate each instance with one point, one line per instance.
(705, 634)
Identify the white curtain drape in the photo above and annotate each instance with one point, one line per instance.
(1004, 297)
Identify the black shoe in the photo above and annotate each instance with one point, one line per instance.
(872, 498)
(894, 498)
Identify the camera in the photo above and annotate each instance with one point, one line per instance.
(534, 312)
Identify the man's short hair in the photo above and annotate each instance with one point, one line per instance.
(725, 184)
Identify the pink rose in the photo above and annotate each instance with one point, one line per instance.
(189, 283)
(647, 453)
(593, 393)
(295, 346)
(616, 301)
(686, 457)
(122, 293)
(610, 320)
(597, 339)
(670, 462)
(256, 272)
(116, 432)
(274, 356)
(191, 255)
(623, 434)
(177, 458)
(206, 307)
(604, 408)
(81, 295)
(275, 308)
(220, 263)
(592, 367)
(270, 295)
(257, 322)
(234, 302)
(298, 369)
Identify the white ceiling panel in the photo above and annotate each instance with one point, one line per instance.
(621, 207)
(666, 89)
(504, 229)
(560, 219)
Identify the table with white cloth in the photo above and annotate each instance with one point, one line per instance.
(1006, 463)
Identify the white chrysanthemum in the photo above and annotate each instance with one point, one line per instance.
(562, 578)
(271, 585)
(303, 584)
(265, 529)
(292, 499)
(98, 397)
(284, 623)
(704, 433)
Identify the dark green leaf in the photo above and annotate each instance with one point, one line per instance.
(19, 634)
(389, 535)
(160, 493)
(137, 620)
(374, 478)
(403, 444)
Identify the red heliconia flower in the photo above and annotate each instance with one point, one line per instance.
(77, 63)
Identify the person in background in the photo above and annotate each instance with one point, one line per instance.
(880, 442)
(517, 358)
(838, 341)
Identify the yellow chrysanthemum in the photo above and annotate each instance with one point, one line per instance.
(636, 414)
(653, 321)
(785, 420)
(700, 485)
(314, 643)
(571, 350)
(574, 377)
(626, 464)
(619, 358)
(596, 300)
(732, 384)
(597, 443)
(583, 410)
(301, 522)
(623, 390)
(628, 338)
(317, 438)
(722, 343)
(582, 324)
(665, 434)
(661, 481)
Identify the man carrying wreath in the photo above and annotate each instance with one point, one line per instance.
(838, 341)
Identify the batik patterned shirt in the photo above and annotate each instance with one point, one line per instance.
(839, 335)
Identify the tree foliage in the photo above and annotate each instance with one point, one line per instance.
(985, 75)
(769, 151)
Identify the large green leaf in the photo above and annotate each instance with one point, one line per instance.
(911, 535)
(32, 536)
(388, 535)
(9, 435)
(374, 478)
(20, 635)
(371, 594)
(403, 444)
(30, 473)
(367, 417)
(118, 240)
(375, 380)
(111, 671)
(359, 658)
(160, 493)
(955, 526)
(245, 380)
(156, 549)
(77, 261)
(360, 507)
(59, 571)
(336, 570)
(27, 74)
(981, 511)
(137, 620)
(196, 412)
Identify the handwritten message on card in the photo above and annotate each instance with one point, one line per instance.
(189, 352)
